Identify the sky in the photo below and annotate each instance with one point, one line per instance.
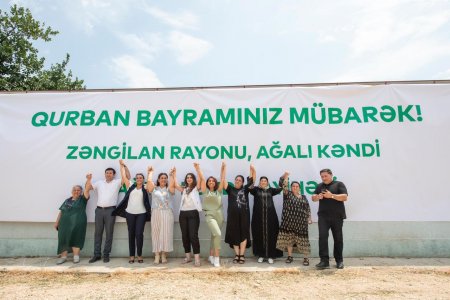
(199, 43)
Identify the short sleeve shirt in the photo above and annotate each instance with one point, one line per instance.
(108, 192)
(328, 207)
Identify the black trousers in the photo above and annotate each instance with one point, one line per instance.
(325, 224)
(136, 224)
(189, 224)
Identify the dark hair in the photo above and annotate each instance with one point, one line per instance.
(194, 182)
(264, 177)
(159, 176)
(216, 186)
(326, 171)
(139, 174)
(242, 177)
(111, 169)
(296, 183)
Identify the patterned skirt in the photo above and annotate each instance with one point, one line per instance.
(162, 230)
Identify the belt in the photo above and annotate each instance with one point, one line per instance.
(105, 207)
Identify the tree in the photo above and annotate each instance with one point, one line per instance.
(21, 69)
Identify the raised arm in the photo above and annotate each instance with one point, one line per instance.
(127, 172)
(284, 182)
(200, 176)
(175, 182)
(171, 182)
(123, 174)
(150, 183)
(253, 172)
(223, 176)
(87, 186)
(201, 184)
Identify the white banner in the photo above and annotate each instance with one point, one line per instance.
(389, 144)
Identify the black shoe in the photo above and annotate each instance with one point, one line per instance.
(105, 259)
(94, 259)
(323, 265)
(340, 265)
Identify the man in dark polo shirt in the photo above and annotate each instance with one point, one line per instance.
(331, 195)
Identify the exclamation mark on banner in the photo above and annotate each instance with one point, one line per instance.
(419, 113)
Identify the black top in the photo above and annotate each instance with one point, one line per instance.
(329, 207)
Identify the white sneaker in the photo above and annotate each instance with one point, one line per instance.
(261, 259)
(76, 259)
(270, 260)
(61, 260)
(217, 261)
(211, 259)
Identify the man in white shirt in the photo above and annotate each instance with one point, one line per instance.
(108, 193)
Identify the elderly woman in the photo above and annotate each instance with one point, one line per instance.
(212, 206)
(71, 223)
(265, 223)
(237, 233)
(135, 207)
(162, 215)
(295, 218)
(189, 216)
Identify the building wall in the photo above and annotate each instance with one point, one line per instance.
(397, 239)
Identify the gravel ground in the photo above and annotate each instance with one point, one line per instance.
(381, 281)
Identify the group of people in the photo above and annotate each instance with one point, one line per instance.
(153, 201)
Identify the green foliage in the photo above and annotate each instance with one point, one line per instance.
(21, 69)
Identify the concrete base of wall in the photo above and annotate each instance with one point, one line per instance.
(394, 239)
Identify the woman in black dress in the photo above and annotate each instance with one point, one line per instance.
(238, 214)
(265, 223)
(295, 218)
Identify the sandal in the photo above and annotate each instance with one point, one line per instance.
(289, 259)
(131, 261)
(306, 261)
(242, 259)
(236, 259)
(197, 263)
(186, 260)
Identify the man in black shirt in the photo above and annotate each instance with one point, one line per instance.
(331, 195)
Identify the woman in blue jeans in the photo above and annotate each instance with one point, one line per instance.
(135, 207)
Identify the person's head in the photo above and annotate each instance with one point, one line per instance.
(76, 191)
(295, 187)
(211, 183)
(263, 181)
(238, 181)
(162, 180)
(139, 179)
(190, 180)
(326, 175)
(109, 174)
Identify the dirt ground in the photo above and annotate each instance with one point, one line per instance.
(357, 282)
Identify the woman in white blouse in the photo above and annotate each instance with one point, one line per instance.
(135, 207)
(189, 213)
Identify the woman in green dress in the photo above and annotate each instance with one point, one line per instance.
(212, 206)
(71, 223)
